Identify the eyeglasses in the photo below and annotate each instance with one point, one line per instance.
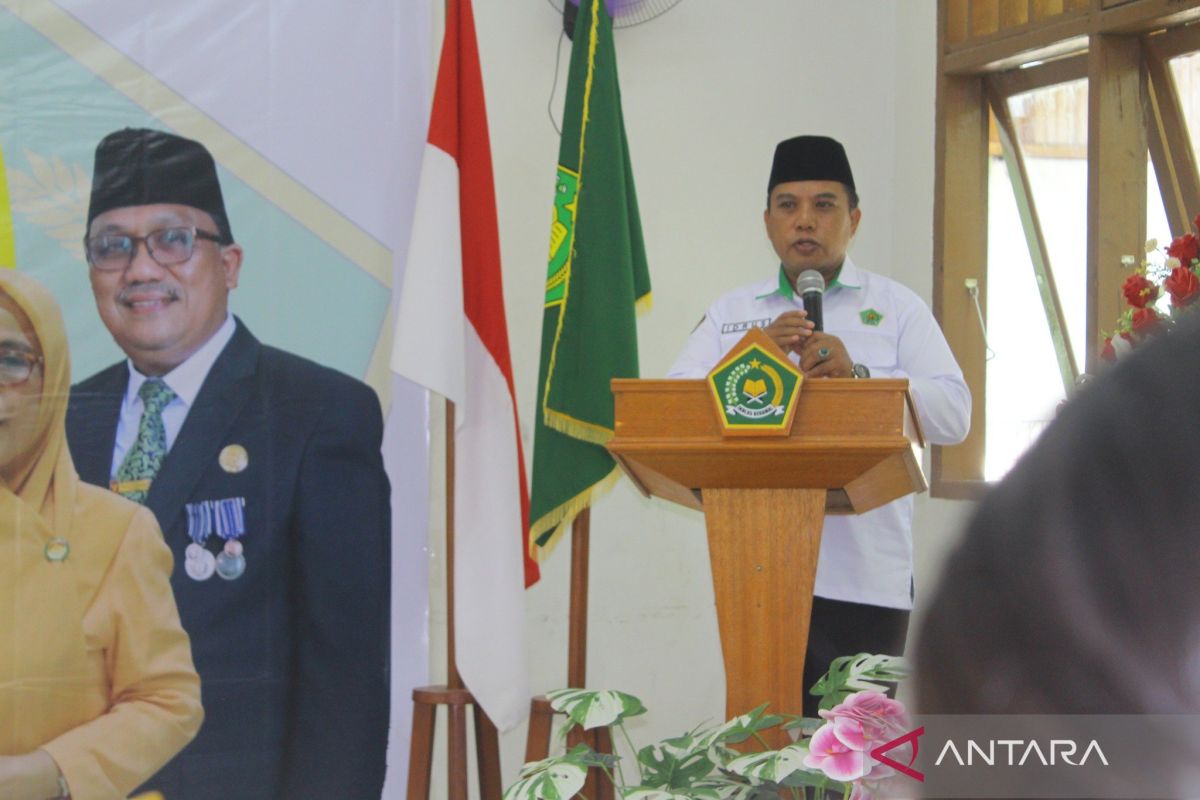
(16, 366)
(110, 252)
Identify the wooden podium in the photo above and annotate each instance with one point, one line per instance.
(853, 446)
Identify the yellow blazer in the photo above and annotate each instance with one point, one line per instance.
(95, 668)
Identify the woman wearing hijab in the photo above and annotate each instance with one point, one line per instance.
(97, 687)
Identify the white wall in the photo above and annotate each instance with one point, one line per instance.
(708, 90)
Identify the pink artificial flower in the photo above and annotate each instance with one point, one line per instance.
(865, 720)
(860, 723)
(830, 754)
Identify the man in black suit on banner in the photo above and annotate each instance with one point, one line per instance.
(265, 473)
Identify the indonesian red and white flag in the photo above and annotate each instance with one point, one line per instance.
(452, 337)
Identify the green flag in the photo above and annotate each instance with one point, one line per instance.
(596, 282)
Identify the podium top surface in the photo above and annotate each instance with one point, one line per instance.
(858, 438)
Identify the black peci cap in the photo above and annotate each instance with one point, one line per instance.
(810, 158)
(138, 167)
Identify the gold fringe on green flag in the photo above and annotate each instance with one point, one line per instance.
(597, 281)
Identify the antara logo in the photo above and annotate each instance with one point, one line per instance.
(907, 769)
(1018, 752)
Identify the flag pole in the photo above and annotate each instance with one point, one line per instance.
(541, 714)
(454, 695)
(599, 739)
(578, 614)
(453, 678)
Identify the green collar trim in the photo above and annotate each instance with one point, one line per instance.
(785, 286)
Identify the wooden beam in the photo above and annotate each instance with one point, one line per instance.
(960, 253)
(1007, 51)
(1020, 81)
(1176, 41)
(1116, 214)
(1142, 16)
(1013, 13)
(1045, 9)
(985, 17)
(1056, 30)
(952, 20)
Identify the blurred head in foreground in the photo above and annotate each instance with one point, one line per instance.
(1074, 590)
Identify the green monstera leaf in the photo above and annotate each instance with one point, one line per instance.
(738, 730)
(676, 763)
(773, 765)
(643, 793)
(549, 779)
(863, 672)
(593, 708)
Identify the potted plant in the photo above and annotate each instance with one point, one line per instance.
(831, 753)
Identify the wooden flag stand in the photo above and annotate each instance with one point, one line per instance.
(541, 715)
(454, 695)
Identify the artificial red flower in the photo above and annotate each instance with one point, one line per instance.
(1183, 286)
(1185, 248)
(1139, 291)
(1108, 353)
(1196, 222)
(1146, 322)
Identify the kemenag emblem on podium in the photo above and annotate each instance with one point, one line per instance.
(755, 388)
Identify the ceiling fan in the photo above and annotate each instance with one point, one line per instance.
(624, 13)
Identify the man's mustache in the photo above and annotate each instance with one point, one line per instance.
(168, 291)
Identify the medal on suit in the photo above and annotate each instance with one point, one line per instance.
(233, 458)
(231, 526)
(227, 519)
(198, 563)
(230, 561)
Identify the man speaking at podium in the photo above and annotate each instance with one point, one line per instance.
(872, 327)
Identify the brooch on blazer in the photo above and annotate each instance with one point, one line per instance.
(227, 519)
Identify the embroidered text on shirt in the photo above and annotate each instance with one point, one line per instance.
(739, 327)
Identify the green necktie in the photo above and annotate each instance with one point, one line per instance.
(142, 461)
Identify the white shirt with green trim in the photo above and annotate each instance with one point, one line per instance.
(866, 558)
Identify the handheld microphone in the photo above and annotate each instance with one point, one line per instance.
(811, 286)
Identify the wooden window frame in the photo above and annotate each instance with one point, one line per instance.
(1122, 48)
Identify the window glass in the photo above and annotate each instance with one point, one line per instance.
(1025, 381)
(1051, 126)
(1186, 69)
(1157, 227)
